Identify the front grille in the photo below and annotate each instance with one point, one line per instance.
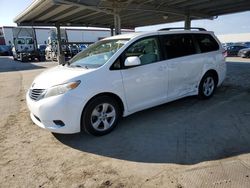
(36, 94)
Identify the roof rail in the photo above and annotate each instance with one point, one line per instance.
(176, 28)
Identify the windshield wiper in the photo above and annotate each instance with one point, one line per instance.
(79, 66)
(76, 66)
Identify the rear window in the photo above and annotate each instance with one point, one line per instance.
(206, 43)
(178, 45)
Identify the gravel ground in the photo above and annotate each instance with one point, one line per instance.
(186, 143)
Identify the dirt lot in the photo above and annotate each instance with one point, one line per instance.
(186, 143)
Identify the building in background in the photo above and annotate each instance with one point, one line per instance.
(74, 36)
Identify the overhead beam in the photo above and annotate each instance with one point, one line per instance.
(163, 9)
(67, 2)
(63, 14)
(191, 3)
(85, 16)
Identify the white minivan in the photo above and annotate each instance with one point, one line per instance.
(123, 74)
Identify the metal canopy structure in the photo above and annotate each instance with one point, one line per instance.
(128, 13)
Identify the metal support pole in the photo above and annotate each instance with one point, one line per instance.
(111, 31)
(117, 23)
(187, 22)
(60, 55)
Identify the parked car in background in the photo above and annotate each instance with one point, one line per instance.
(234, 50)
(247, 44)
(82, 47)
(226, 45)
(73, 50)
(5, 50)
(123, 74)
(245, 53)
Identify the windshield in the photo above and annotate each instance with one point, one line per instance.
(97, 54)
(29, 41)
(20, 41)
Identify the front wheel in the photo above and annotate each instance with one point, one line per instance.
(207, 86)
(100, 116)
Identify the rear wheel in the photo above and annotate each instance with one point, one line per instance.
(100, 116)
(207, 86)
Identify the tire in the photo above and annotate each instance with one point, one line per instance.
(41, 58)
(100, 116)
(207, 86)
(21, 58)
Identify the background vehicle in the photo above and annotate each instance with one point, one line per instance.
(25, 46)
(82, 47)
(52, 47)
(247, 44)
(73, 50)
(5, 50)
(234, 50)
(245, 53)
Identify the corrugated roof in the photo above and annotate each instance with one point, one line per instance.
(133, 13)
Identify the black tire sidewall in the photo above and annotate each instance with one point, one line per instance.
(86, 116)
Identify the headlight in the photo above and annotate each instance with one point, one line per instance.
(61, 89)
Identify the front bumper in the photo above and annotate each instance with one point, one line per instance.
(65, 108)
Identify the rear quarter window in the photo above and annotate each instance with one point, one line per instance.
(206, 43)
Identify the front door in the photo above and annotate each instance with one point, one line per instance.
(144, 85)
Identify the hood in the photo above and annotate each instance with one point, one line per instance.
(58, 75)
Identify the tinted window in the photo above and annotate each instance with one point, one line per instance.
(178, 45)
(206, 43)
(29, 41)
(20, 41)
(147, 50)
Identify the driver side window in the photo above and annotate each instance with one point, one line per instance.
(146, 49)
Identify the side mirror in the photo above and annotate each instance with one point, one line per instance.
(132, 61)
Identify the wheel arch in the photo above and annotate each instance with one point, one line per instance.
(214, 73)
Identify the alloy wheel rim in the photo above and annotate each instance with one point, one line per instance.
(103, 117)
(208, 86)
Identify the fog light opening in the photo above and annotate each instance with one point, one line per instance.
(59, 123)
(37, 118)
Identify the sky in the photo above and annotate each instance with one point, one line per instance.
(227, 24)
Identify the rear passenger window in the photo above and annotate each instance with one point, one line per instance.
(206, 43)
(178, 45)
